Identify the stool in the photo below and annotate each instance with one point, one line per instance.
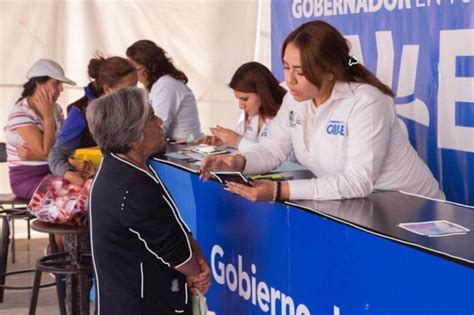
(72, 263)
(12, 201)
(4, 242)
(16, 210)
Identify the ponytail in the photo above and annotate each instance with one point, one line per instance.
(29, 88)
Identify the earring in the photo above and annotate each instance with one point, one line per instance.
(352, 61)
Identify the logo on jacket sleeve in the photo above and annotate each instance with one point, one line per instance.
(336, 128)
(264, 132)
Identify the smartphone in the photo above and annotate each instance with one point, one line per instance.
(235, 177)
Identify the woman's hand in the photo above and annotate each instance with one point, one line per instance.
(227, 136)
(86, 168)
(221, 163)
(210, 140)
(261, 190)
(83, 170)
(26, 154)
(44, 102)
(202, 281)
(75, 178)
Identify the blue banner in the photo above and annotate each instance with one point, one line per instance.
(268, 258)
(424, 50)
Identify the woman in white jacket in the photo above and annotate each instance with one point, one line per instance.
(260, 95)
(340, 121)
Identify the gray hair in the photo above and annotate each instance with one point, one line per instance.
(117, 119)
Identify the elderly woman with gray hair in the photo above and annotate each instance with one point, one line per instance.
(145, 258)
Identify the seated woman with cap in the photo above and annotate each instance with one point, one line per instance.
(145, 258)
(32, 126)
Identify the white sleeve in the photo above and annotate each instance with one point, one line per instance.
(245, 144)
(277, 146)
(240, 127)
(369, 128)
(165, 99)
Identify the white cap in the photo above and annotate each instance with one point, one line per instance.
(48, 68)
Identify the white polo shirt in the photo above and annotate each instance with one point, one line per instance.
(356, 146)
(174, 102)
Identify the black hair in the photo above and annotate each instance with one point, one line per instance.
(29, 87)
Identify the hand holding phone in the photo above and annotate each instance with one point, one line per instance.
(234, 176)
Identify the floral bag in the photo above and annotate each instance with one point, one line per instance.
(58, 201)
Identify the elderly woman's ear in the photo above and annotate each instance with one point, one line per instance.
(135, 145)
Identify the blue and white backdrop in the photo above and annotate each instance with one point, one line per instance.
(424, 50)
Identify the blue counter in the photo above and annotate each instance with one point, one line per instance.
(324, 258)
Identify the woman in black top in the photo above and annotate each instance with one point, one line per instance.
(145, 259)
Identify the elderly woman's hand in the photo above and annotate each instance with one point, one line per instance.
(261, 190)
(202, 281)
(221, 163)
(227, 136)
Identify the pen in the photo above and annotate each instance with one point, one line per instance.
(271, 177)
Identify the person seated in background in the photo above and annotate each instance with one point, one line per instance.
(171, 98)
(339, 120)
(145, 258)
(107, 74)
(260, 96)
(32, 126)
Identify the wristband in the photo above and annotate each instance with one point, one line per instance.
(278, 191)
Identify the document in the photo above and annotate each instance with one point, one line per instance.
(208, 150)
(434, 228)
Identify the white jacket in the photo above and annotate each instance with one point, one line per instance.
(174, 102)
(356, 146)
(248, 130)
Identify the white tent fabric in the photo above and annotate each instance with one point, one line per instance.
(207, 39)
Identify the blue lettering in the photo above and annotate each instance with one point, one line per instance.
(335, 129)
(342, 130)
(329, 129)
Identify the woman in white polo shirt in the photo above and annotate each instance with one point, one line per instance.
(171, 98)
(341, 123)
(260, 95)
